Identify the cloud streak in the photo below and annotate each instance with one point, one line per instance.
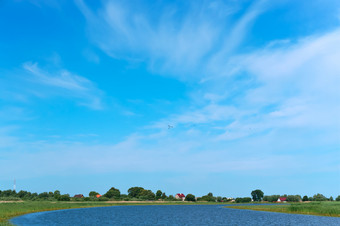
(286, 86)
(179, 43)
(66, 84)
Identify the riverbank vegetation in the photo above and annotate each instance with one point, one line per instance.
(331, 209)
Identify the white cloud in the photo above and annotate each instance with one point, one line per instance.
(67, 84)
(176, 44)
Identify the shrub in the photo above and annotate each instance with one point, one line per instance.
(243, 200)
(190, 197)
(103, 198)
(64, 197)
(293, 198)
(271, 198)
(305, 198)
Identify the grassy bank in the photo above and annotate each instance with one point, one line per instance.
(331, 209)
(12, 209)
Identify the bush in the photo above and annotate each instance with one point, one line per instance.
(64, 198)
(293, 198)
(209, 198)
(9, 198)
(170, 198)
(103, 198)
(243, 200)
(93, 194)
(271, 198)
(190, 197)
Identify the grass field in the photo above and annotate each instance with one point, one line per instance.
(331, 209)
(9, 210)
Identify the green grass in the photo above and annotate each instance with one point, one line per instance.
(13, 209)
(331, 209)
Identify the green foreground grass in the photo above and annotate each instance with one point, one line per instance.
(330, 209)
(9, 210)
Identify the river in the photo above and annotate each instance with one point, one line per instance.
(168, 215)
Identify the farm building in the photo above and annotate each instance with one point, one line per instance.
(180, 196)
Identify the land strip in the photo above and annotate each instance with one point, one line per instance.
(330, 209)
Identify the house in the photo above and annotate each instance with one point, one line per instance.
(98, 195)
(180, 196)
(79, 196)
(282, 199)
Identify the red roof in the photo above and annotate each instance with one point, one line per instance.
(181, 195)
(283, 198)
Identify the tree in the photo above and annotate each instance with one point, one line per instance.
(271, 198)
(305, 198)
(56, 194)
(319, 197)
(93, 194)
(293, 198)
(135, 192)
(112, 193)
(171, 198)
(43, 195)
(163, 195)
(147, 195)
(158, 194)
(337, 198)
(209, 197)
(331, 198)
(190, 197)
(64, 197)
(21, 194)
(257, 195)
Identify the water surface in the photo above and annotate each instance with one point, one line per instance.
(168, 215)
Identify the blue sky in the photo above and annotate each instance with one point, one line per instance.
(251, 88)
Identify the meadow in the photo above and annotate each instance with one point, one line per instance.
(331, 209)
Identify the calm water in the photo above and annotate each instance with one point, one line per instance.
(169, 215)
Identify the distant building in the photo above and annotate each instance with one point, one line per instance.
(180, 196)
(79, 196)
(282, 199)
(98, 195)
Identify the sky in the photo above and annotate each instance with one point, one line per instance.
(182, 96)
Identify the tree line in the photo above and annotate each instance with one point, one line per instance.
(141, 194)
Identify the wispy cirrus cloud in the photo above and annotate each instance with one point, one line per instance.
(266, 92)
(65, 83)
(173, 42)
